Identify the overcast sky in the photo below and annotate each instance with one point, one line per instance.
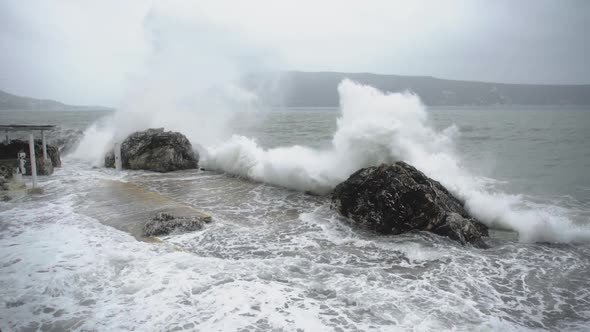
(98, 52)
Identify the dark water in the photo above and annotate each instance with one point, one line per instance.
(537, 151)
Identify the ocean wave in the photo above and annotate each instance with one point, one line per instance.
(377, 127)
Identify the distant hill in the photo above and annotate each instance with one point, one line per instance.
(13, 102)
(319, 89)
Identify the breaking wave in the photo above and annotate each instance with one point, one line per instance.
(377, 127)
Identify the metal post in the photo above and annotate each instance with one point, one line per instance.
(32, 158)
(118, 162)
(44, 145)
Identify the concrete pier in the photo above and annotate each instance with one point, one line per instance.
(128, 207)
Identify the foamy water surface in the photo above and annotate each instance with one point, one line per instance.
(273, 259)
(279, 259)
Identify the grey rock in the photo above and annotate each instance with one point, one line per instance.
(68, 140)
(45, 167)
(398, 198)
(155, 150)
(109, 159)
(164, 223)
(7, 168)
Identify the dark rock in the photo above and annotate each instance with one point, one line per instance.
(394, 199)
(164, 223)
(10, 150)
(155, 150)
(109, 159)
(44, 167)
(4, 185)
(7, 167)
(7, 184)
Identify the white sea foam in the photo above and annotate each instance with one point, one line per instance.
(62, 270)
(377, 127)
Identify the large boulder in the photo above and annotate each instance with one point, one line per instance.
(44, 167)
(155, 150)
(398, 198)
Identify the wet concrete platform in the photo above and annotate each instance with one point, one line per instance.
(127, 207)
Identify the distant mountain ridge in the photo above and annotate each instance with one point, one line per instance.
(319, 89)
(9, 101)
(303, 89)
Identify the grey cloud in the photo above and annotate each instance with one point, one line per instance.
(93, 53)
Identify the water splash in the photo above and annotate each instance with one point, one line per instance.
(377, 127)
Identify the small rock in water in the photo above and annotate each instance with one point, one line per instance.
(35, 191)
(398, 198)
(164, 223)
(4, 185)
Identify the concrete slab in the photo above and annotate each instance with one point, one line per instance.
(127, 207)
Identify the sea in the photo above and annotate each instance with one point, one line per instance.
(277, 258)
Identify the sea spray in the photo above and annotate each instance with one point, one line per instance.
(189, 83)
(377, 127)
(374, 128)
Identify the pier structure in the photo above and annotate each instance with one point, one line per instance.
(31, 129)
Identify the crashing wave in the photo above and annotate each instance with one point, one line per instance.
(375, 128)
